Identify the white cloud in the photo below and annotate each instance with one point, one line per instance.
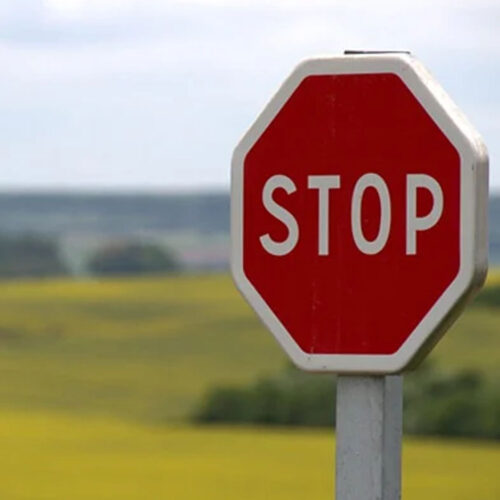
(73, 9)
(199, 70)
(89, 37)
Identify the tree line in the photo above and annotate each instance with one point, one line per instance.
(461, 403)
(34, 256)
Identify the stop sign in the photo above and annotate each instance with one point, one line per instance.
(358, 213)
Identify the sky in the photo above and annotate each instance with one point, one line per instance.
(154, 95)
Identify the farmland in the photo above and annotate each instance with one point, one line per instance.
(146, 349)
(80, 458)
(143, 349)
(99, 376)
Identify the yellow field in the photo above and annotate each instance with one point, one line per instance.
(50, 456)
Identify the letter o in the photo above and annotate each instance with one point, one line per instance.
(375, 181)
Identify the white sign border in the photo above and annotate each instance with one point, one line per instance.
(473, 202)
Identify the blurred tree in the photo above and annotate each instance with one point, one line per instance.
(292, 398)
(436, 403)
(132, 258)
(29, 256)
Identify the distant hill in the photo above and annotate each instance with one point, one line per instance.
(494, 223)
(119, 214)
(196, 225)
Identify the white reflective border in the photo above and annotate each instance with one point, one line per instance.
(473, 203)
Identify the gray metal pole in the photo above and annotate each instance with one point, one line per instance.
(369, 433)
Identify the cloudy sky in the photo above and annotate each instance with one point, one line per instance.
(151, 94)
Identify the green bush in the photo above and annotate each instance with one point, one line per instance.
(131, 259)
(292, 399)
(489, 296)
(29, 256)
(436, 403)
(236, 402)
(451, 404)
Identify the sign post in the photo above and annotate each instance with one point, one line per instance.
(359, 233)
(369, 430)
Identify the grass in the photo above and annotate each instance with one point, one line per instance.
(146, 349)
(50, 456)
(143, 348)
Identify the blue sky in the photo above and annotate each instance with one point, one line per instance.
(150, 94)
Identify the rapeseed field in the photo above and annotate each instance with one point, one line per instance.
(61, 457)
(148, 348)
(98, 379)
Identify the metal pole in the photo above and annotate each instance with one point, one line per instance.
(369, 432)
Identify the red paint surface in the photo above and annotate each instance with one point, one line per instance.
(349, 302)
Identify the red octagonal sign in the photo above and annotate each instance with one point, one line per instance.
(359, 213)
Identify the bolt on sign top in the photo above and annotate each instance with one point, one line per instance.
(358, 213)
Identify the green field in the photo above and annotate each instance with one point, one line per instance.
(146, 349)
(139, 349)
(96, 378)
